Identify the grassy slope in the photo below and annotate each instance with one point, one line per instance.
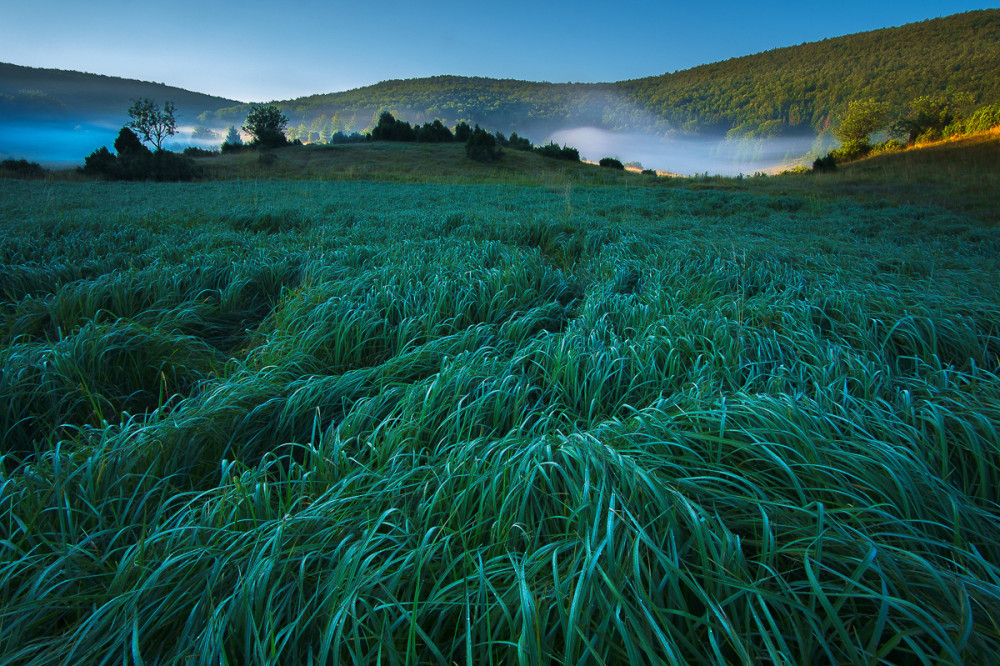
(697, 421)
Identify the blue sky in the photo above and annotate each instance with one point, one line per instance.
(261, 51)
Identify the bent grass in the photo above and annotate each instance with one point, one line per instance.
(391, 423)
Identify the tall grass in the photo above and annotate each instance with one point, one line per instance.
(387, 423)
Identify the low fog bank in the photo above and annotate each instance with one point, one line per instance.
(689, 155)
(63, 145)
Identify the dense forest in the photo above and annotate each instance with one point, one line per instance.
(801, 89)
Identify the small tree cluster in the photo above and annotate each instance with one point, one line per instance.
(928, 117)
(22, 169)
(134, 161)
(434, 132)
(266, 124)
(611, 163)
(863, 118)
(518, 142)
(391, 129)
(482, 146)
(554, 151)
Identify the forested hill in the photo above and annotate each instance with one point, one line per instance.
(789, 90)
(39, 94)
(798, 89)
(809, 85)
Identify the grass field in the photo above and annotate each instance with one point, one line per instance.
(560, 417)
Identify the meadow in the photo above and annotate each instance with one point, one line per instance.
(710, 421)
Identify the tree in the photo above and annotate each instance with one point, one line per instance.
(482, 146)
(266, 124)
(128, 143)
(862, 118)
(150, 122)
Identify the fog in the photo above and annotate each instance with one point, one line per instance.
(689, 155)
(53, 144)
(60, 145)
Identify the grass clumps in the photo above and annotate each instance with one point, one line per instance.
(358, 422)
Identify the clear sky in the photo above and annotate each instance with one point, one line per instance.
(258, 50)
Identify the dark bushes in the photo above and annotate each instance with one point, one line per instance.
(482, 146)
(22, 169)
(553, 150)
(611, 163)
(136, 162)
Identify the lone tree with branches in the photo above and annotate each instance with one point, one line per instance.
(266, 124)
(150, 122)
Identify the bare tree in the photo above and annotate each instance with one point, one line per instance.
(150, 123)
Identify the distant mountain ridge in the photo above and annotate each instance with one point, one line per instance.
(56, 94)
(793, 90)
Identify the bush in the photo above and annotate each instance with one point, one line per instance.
(162, 165)
(128, 143)
(518, 142)
(826, 163)
(22, 169)
(462, 132)
(553, 150)
(649, 172)
(266, 124)
(391, 129)
(194, 151)
(434, 132)
(482, 146)
(611, 163)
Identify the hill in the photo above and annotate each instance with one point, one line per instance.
(795, 90)
(55, 94)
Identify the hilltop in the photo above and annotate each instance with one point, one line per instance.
(794, 90)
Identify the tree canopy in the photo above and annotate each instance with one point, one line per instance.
(151, 123)
(266, 124)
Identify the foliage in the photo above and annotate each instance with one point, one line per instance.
(127, 143)
(826, 163)
(611, 163)
(482, 146)
(233, 137)
(434, 132)
(266, 124)
(389, 128)
(928, 117)
(863, 118)
(142, 164)
(518, 142)
(21, 168)
(695, 422)
(982, 119)
(152, 123)
(342, 137)
(553, 150)
(462, 132)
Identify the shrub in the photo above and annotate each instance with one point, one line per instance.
(434, 132)
(391, 129)
(553, 150)
(22, 169)
(826, 163)
(128, 143)
(462, 132)
(649, 172)
(194, 151)
(611, 163)
(482, 146)
(518, 142)
(101, 162)
(266, 124)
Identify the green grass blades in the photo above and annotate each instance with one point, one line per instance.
(362, 422)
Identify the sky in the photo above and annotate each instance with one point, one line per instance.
(258, 50)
